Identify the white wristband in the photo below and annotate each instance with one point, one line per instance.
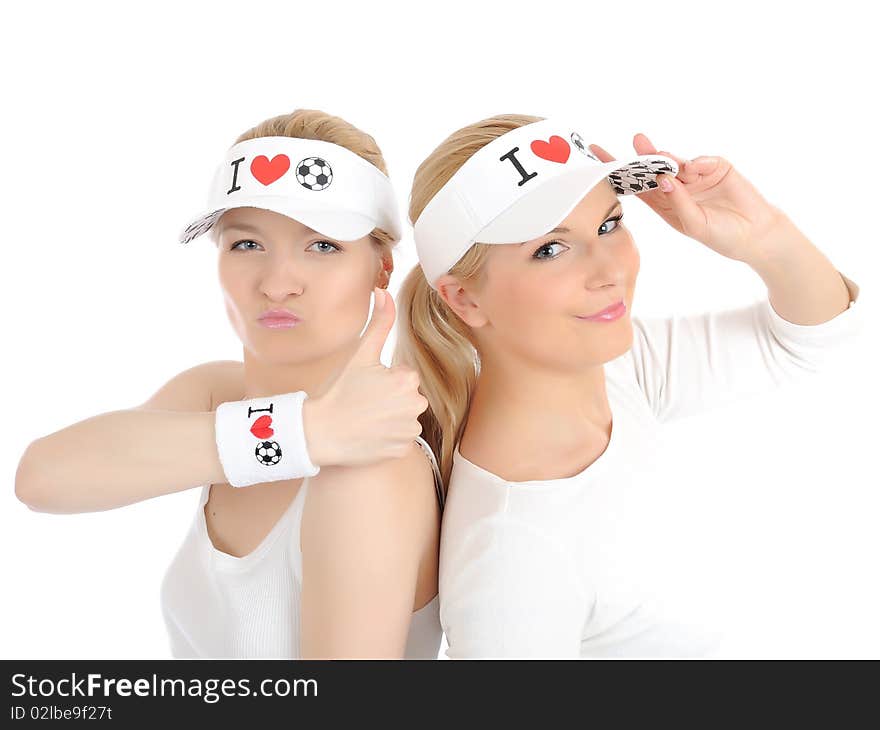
(263, 439)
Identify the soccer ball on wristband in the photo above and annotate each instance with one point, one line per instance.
(268, 453)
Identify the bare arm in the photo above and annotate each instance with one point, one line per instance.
(120, 457)
(804, 287)
(367, 413)
(365, 533)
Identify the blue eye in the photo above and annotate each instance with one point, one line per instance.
(333, 247)
(234, 246)
(547, 246)
(550, 244)
(615, 220)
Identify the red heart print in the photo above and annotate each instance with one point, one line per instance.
(267, 171)
(556, 150)
(262, 427)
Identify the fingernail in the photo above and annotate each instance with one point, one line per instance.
(378, 298)
(665, 184)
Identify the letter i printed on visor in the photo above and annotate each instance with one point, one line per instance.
(321, 184)
(518, 187)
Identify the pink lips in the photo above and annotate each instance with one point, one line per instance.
(609, 314)
(279, 318)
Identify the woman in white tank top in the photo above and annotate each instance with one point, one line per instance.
(348, 568)
(339, 564)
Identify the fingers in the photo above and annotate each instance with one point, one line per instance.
(410, 383)
(688, 170)
(643, 145)
(692, 219)
(373, 340)
(703, 165)
(680, 161)
(405, 406)
(600, 153)
(693, 171)
(407, 377)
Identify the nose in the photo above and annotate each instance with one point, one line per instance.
(283, 277)
(605, 266)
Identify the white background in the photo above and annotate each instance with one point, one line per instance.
(116, 114)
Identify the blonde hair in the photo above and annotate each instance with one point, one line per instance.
(430, 336)
(314, 124)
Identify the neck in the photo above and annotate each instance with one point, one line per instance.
(530, 406)
(264, 377)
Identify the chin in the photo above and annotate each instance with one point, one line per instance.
(280, 358)
(615, 343)
(623, 341)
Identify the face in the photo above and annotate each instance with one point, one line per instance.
(533, 296)
(267, 261)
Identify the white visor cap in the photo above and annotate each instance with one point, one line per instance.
(520, 186)
(323, 185)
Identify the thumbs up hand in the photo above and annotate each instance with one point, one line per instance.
(366, 412)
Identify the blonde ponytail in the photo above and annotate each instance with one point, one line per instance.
(431, 338)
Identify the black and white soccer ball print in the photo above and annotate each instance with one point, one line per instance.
(638, 176)
(578, 142)
(314, 173)
(268, 453)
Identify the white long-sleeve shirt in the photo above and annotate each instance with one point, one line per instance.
(574, 567)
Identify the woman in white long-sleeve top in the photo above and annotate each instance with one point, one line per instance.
(546, 395)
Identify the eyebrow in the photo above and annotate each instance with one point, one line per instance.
(563, 229)
(242, 227)
(247, 228)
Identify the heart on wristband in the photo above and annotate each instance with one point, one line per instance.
(276, 446)
(262, 427)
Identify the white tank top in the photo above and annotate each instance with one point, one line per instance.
(218, 605)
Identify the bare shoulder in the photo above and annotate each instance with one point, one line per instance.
(405, 483)
(387, 511)
(197, 388)
(227, 381)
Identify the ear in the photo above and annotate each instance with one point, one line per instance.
(386, 266)
(460, 301)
